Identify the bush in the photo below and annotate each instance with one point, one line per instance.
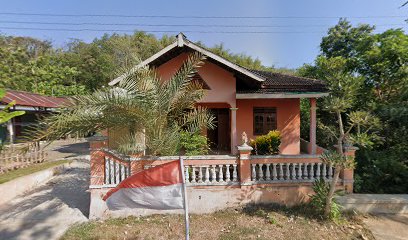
(193, 143)
(267, 144)
(318, 200)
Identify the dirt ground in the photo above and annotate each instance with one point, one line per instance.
(388, 227)
(226, 225)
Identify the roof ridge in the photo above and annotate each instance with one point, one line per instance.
(286, 74)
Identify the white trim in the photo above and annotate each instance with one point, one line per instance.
(285, 156)
(145, 62)
(224, 61)
(279, 95)
(180, 42)
(35, 109)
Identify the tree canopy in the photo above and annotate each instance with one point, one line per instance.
(34, 65)
(373, 66)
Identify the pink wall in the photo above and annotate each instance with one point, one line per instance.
(288, 114)
(223, 89)
(221, 82)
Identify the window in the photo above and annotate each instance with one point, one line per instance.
(264, 120)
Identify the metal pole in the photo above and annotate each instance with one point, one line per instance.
(185, 199)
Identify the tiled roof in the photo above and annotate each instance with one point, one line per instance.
(279, 82)
(33, 99)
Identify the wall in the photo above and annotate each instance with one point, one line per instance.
(288, 122)
(12, 189)
(211, 199)
(221, 82)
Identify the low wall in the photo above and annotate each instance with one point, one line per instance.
(216, 182)
(375, 203)
(10, 190)
(211, 199)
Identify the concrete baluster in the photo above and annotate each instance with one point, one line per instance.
(268, 172)
(220, 173)
(207, 174)
(234, 173)
(227, 173)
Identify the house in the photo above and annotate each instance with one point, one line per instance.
(35, 105)
(243, 100)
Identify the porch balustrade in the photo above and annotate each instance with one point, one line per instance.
(290, 172)
(223, 170)
(115, 171)
(216, 174)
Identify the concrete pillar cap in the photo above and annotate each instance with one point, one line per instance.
(244, 147)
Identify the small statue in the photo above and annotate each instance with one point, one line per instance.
(244, 139)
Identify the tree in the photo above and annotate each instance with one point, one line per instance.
(31, 66)
(376, 68)
(98, 60)
(343, 86)
(344, 40)
(143, 104)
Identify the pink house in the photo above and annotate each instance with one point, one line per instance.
(242, 100)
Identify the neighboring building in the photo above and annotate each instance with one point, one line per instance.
(35, 106)
(244, 100)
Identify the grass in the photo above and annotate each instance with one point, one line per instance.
(253, 222)
(8, 176)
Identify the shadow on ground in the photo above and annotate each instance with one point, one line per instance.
(46, 212)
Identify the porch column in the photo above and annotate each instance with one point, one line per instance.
(10, 128)
(233, 130)
(312, 133)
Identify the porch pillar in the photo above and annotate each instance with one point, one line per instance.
(233, 130)
(312, 133)
(97, 159)
(10, 128)
(347, 175)
(244, 164)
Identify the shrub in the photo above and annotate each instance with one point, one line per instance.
(318, 200)
(267, 144)
(193, 143)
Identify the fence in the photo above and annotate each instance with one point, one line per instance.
(290, 172)
(116, 170)
(19, 156)
(219, 170)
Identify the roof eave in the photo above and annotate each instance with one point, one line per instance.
(181, 42)
(281, 95)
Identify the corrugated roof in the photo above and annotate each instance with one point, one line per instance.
(29, 99)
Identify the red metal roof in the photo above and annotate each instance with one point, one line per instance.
(33, 99)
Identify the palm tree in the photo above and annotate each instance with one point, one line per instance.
(143, 104)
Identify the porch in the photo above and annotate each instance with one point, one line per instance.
(257, 115)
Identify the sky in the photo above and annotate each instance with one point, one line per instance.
(281, 33)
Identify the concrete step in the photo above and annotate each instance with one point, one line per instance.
(375, 203)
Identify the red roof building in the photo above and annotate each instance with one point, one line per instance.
(28, 99)
(35, 105)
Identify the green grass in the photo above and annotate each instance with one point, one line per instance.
(8, 176)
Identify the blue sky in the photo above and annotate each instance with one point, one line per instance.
(289, 43)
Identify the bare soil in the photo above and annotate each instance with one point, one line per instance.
(248, 223)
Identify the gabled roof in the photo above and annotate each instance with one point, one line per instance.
(29, 99)
(250, 81)
(181, 42)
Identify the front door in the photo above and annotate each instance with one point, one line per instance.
(219, 137)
